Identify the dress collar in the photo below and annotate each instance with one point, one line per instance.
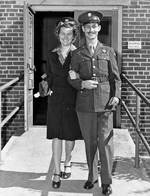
(60, 56)
(72, 48)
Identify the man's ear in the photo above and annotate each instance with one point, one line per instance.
(83, 29)
(99, 27)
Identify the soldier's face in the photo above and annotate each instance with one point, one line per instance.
(91, 30)
(66, 36)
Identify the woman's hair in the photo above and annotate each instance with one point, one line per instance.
(67, 22)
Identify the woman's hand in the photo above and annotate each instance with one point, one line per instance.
(114, 101)
(50, 92)
(73, 75)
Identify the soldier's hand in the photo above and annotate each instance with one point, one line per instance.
(114, 101)
(89, 84)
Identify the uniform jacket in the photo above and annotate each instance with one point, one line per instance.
(102, 66)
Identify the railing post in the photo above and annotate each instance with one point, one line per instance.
(0, 124)
(137, 160)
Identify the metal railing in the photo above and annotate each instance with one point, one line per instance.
(139, 95)
(11, 114)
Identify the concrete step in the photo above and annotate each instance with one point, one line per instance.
(27, 167)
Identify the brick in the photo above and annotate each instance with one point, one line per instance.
(140, 60)
(141, 19)
(12, 10)
(10, 2)
(140, 27)
(135, 63)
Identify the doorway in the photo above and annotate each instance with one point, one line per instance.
(45, 40)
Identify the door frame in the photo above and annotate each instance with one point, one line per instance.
(28, 65)
(114, 11)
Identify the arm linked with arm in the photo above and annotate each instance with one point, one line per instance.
(74, 78)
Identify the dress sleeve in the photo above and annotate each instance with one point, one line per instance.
(49, 72)
(74, 66)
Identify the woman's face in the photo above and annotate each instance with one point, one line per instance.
(65, 36)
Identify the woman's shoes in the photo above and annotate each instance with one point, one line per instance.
(67, 171)
(56, 184)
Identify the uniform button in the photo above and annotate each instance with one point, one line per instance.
(94, 74)
(94, 66)
(93, 59)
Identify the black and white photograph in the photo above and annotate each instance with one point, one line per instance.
(75, 97)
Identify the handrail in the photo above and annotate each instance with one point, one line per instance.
(13, 81)
(139, 95)
(136, 89)
(136, 127)
(9, 116)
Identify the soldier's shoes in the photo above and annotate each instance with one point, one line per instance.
(106, 189)
(89, 184)
(56, 184)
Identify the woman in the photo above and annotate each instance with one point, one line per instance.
(62, 121)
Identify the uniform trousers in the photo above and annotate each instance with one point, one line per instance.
(97, 132)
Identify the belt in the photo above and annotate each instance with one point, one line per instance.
(100, 79)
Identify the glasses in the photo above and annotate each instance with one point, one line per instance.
(91, 26)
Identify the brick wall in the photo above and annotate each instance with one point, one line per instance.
(136, 63)
(11, 63)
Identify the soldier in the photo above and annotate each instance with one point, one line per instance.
(94, 72)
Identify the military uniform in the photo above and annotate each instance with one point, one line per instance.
(93, 105)
(101, 66)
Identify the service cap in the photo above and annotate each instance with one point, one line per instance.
(90, 17)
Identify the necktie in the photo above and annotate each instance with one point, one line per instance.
(91, 49)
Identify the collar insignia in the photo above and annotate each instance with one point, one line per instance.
(104, 50)
(89, 14)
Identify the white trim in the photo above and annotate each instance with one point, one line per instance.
(79, 2)
(26, 74)
(72, 8)
(25, 64)
(37, 127)
(120, 30)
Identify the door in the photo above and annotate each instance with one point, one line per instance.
(28, 65)
(44, 40)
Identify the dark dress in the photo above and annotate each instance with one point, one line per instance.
(62, 121)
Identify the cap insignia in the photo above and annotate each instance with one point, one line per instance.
(66, 20)
(89, 14)
(104, 50)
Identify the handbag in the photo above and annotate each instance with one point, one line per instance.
(43, 88)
